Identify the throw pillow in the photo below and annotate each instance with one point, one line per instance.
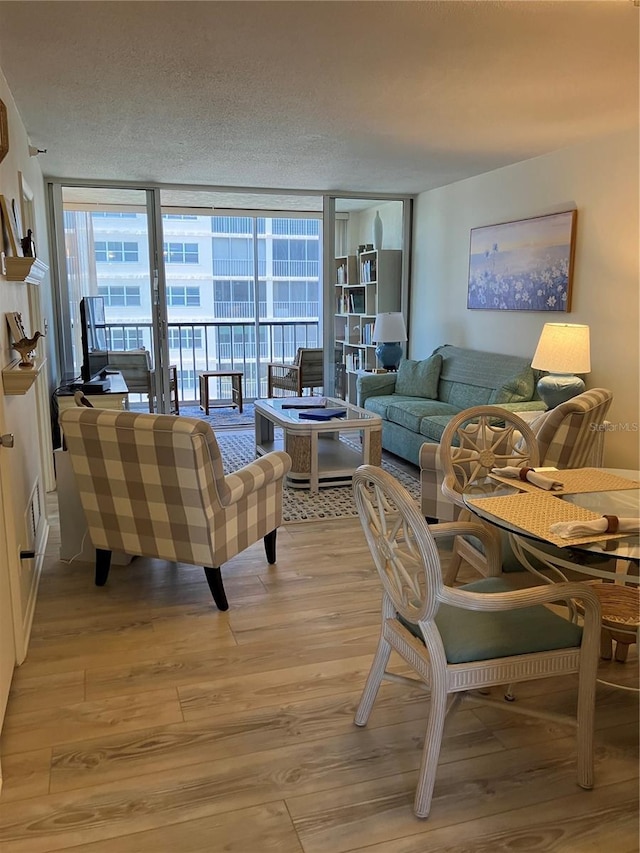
(518, 389)
(419, 378)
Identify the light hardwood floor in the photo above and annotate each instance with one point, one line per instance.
(145, 721)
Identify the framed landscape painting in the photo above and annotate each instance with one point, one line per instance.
(525, 265)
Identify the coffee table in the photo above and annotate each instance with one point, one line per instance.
(318, 456)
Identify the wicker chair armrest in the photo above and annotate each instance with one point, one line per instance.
(248, 479)
(528, 597)
(485, 533)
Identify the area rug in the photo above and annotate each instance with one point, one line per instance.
(221, 418)
(238, 448)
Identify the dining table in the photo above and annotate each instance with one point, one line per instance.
(527, 515)
(611, 561)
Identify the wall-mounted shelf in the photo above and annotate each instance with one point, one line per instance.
(17, 380)
(31, 270)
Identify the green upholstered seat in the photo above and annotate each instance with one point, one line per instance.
(469, 635)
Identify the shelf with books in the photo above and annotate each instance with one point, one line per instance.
(366, 286)
(346, 270)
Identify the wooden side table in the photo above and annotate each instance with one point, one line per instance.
(236, 389)
(174, 403)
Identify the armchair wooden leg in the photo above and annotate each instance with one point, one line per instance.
(214, 579)
(270, 546)
(103, 564)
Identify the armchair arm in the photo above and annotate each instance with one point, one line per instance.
(286, 376)
(280, 369)
(268, 468)
(434, 503)
(374, 385)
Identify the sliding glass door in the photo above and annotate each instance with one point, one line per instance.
(215, 290)
(107, 251)
(242, 289)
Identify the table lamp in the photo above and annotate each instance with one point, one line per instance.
(388, 332)
(563, 350)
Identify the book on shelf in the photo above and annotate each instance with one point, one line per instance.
(304, 402)
(321, 414)
(356, 302)
(367, 271)
(367, 333)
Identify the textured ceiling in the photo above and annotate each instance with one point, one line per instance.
(383, 97)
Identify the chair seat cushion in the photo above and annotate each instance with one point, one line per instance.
(471, 635)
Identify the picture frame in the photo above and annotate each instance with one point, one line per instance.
(16, 327)
(9, 228)
(524, 265)
(4, 131)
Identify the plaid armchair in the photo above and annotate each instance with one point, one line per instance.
(307, 371)
(154, 486)
(567, 437)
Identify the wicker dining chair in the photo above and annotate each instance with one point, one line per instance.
(475, 441)
(470, 638)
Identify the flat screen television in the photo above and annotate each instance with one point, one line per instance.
(93, 330)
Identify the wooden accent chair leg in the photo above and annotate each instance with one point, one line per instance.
(214, 579)
(103, 564)
(622, 650)
(606, 644)
(270, 546)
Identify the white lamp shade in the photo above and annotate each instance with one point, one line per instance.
(389, 328)
(563, 348)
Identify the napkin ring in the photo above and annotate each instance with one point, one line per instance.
(612, 523)
(524, 471)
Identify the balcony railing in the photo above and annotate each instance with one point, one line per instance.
(237, 267)
(230, 345)
(296, 269)
(295, 309)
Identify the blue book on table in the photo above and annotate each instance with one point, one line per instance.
(322, 414)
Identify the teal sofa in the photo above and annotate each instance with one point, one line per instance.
(417, 401)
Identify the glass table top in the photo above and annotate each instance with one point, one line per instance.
(623, 503)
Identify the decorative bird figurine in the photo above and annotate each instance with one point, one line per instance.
(25, 347)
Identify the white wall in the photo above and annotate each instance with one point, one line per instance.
(360, 226)
(601, 180)
(21, 469)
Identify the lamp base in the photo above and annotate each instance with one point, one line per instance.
(389, 355)
(557, 388)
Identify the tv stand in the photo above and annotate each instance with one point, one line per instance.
(115, 396)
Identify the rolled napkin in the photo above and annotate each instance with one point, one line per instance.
(606, 524)
(530, 475)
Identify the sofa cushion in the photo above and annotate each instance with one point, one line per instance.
(419, 378)
(433, 427)
(519, 389)
(410, 411)
(379, 405)
(469, 377)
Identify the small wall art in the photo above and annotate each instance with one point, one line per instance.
(10, 229)
(526, 265)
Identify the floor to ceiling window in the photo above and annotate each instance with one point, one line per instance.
(237, 289)
(241, 290)
(208, 280)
